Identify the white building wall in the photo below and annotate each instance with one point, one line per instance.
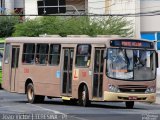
(150, 23)
(122, 7)
(137, 19)
(9, 5)
(31, 7)
(96, 6)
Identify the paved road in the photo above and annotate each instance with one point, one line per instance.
(15, 106)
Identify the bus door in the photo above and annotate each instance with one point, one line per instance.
(98, 73)
(14, 66)
(67, 71)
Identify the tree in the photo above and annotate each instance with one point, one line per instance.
(63, 26)
(7, 24)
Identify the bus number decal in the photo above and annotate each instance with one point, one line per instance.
(84, 74)
(26, 70)
(76, 74)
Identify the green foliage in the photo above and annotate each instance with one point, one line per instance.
(63, 26)
(7, 25)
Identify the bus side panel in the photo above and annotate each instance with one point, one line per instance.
(44, 79)
(6, 77)
(20, 86)
(6, 72)
(83, 77)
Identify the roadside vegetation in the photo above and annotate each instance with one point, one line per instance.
(52, 25)
(63, 26)
(7, 24)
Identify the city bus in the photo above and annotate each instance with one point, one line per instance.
(81, 69)
(1, 57)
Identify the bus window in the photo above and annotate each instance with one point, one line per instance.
(83, 55)
(120, 63)
(7, 51)
(42, 53)
(54, 55)
(28, 53)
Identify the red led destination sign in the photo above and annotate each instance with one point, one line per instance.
(132, 43)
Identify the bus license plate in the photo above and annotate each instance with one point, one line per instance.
(132, 97)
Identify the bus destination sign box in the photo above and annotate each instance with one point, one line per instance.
(131, 43)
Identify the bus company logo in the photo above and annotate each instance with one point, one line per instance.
(84, 74)
(26, 70)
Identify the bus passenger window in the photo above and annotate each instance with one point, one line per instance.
(7, 50)
(42, 53)
(28, 53)
(83, 55)
(54, 54)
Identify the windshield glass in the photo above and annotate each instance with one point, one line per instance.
(130, 64)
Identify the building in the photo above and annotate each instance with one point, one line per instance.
(126, 9)
(150, 25)
(145, 16)
(11, 6)
(144, 25)
(42, 7)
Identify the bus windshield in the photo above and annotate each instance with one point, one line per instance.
(131, 64)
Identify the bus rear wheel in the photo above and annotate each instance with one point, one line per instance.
(84, 97)
(32, 98)
(129, 104)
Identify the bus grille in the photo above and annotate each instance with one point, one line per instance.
(132, 88)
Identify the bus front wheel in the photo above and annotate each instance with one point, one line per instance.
(32, 98)
(129, 104)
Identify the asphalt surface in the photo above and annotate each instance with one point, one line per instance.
(15, 107)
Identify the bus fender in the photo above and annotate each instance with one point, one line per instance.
(80, 86)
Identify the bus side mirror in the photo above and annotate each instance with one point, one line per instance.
(157, 60)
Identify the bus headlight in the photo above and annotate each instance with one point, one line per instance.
(150, 90)
(113, 88)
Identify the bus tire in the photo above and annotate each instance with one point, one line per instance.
(84, 97)
(129, 104)
(32, 98)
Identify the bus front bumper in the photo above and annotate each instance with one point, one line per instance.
(111, 96)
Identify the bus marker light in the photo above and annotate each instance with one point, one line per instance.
(76, 74)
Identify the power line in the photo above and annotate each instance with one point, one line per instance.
(150, 13)
(153, 13)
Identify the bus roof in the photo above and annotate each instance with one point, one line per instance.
(69, 40)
